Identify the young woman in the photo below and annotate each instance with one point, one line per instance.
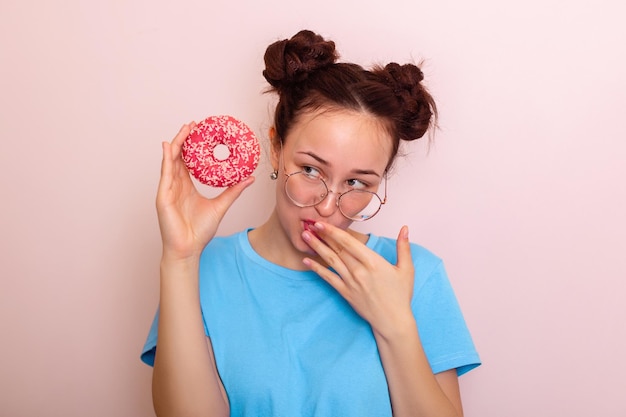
(303, 316)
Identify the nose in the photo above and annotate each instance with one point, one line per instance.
(329, 205)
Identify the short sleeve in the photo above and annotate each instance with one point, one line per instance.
(443, 332)
(149, 348)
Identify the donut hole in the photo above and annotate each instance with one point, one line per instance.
(221, 152)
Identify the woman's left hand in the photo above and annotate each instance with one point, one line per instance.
(378, 291)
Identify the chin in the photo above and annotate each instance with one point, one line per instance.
(301, 246)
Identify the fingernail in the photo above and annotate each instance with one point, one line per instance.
(306, 236)
(319, 226)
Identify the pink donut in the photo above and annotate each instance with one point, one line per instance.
(199, 151)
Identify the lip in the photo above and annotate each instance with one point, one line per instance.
(307, 224)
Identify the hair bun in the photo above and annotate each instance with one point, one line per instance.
(405, 77)
(419, 106)
(290, 61)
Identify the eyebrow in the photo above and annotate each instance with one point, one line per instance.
(326, 163)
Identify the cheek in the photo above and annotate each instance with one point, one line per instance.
(288, 213)
(283, 204)
(344, 223)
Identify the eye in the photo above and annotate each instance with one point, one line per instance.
(356, 184)
(311, 172)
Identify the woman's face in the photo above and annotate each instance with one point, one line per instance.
(348, 149)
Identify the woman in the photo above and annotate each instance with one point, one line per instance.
(303, 316)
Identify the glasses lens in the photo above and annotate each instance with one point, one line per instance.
(305, 190)
(359, 205)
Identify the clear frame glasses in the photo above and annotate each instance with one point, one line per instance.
(307, 190)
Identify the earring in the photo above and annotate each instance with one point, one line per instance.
(274, 175)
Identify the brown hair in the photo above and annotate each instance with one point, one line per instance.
(304, 72)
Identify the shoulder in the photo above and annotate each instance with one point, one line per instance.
(225, 243)
(223, 250)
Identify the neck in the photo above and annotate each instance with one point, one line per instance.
(271, 243)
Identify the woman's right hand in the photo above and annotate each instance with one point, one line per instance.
(188, 221)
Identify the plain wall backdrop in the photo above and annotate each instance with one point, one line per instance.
(522, 192)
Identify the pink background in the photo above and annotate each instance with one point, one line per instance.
(522, 192)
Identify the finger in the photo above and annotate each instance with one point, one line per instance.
(403, 249)
(177, 142)
(342, 243)
(166, 167)
(335, 259)
(327, 275)
(167, 156)
(342, 261)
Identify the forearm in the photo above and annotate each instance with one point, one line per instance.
(185, 379)
(413, 388)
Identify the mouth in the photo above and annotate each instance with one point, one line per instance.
(309, 225)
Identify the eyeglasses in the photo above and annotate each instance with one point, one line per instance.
(307, 189)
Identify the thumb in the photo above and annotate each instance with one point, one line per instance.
(228, 196)
(403, 249)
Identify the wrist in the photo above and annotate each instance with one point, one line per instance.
(398, 329)
(179, 266)
(173, 257)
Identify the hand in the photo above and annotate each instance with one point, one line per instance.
(188, 221)
(377, 290)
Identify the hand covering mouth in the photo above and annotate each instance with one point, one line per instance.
(309, 225)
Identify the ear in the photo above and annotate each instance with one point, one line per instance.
(275, 148)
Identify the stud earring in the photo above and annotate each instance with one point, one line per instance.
(274, 175)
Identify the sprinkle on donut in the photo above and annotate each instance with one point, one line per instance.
(199, 151)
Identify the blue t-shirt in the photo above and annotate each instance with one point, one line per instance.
(286, 343)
